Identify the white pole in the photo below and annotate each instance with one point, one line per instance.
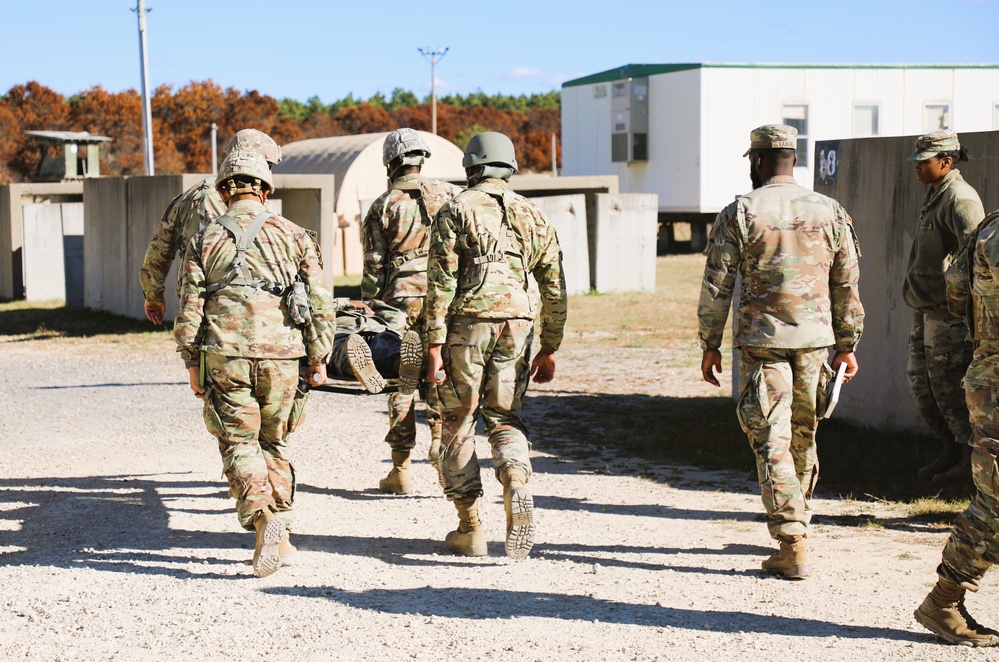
(554, 157)
(147, 115)
(215, 148)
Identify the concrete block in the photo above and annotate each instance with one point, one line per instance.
(47, 231)
(625, 242)
(567, 214)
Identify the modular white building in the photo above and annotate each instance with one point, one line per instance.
(679, 130)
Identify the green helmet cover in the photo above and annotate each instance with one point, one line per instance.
(490, 148)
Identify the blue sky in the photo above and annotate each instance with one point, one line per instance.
(301, 48)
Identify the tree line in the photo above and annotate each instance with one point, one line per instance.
(182, 122)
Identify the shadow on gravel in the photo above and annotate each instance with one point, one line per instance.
(477, 603)
(110, 385)
(110, 523)
(573, 504)
(644, 435)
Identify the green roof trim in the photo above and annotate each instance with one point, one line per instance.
(630, 71)
(642, 70)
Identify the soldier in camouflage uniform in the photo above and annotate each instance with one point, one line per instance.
(368, 344)
(939, 352)
(252, 306)
(187, 214)
(480, 322)
(797, 255)
(396, 235)
(973, 547)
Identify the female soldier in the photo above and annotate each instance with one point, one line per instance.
(939, 353)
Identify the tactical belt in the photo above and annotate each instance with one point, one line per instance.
(408, 256)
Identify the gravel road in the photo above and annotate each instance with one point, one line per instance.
(118, 542)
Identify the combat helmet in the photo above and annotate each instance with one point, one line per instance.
(403, 147)
(489, 148)
(251, 169)
(255, 141)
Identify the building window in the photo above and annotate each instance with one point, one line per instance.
(865, 121)
(936, 116)
(796, 115)
(599, 91)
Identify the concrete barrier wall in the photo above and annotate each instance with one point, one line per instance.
(12, 198)
(625, 241)
(122, 215)
(52, 238)
(875, 183)
(567, 213)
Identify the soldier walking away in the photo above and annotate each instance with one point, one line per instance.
(939, 352)
(973, 545)
(480, 322)
(187, 214)
(798, 258)
(253, 308)
(396, 235)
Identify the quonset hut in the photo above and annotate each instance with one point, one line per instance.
(356, 164)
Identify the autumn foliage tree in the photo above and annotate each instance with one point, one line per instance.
(182, 120)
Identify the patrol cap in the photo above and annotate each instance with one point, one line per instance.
(252, 140)
(773, 136)
(931, 144)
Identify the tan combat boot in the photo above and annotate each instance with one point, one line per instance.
(468, 539)
(791, 561)
(270, 531)
(362, 365)
(960, 470)
(519, 506)
(943, 614)
(949, 455)
(287, 551)
(410, 362)
(400, 478)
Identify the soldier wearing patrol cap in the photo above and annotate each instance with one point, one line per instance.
(480, 321)
(798, 258)
(939, 352)
(186, 214)
(396, 237)
(253, 307)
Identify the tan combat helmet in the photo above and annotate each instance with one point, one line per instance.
(251, 169)
(252, 140)
(402, 148)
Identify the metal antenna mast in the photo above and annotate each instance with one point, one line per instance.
(147, 114)
(434, 55)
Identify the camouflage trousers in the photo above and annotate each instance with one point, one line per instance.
(973, 545)
(777, 411)
(487, 369)
(939, 354)
(402, 406)
(251, 407)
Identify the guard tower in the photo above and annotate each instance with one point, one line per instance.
(71, 164)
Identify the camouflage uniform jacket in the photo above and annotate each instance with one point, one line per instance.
(186, 215)
(950, 213)
(382, 318)
(250, 322)
(973, 292)
(396, 236)
(479, 263)
(798, 257)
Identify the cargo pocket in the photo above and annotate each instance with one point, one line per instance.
(297, 414)
(212, 419)
(754, 402)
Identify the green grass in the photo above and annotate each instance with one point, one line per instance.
(26, 321)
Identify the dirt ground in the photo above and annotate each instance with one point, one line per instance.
(118, 542)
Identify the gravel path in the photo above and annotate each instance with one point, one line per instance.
(118, 542)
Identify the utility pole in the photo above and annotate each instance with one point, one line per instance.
(434, 55)
(147, 114)
(215, 148)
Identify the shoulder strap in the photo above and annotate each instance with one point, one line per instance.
(238, 273)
